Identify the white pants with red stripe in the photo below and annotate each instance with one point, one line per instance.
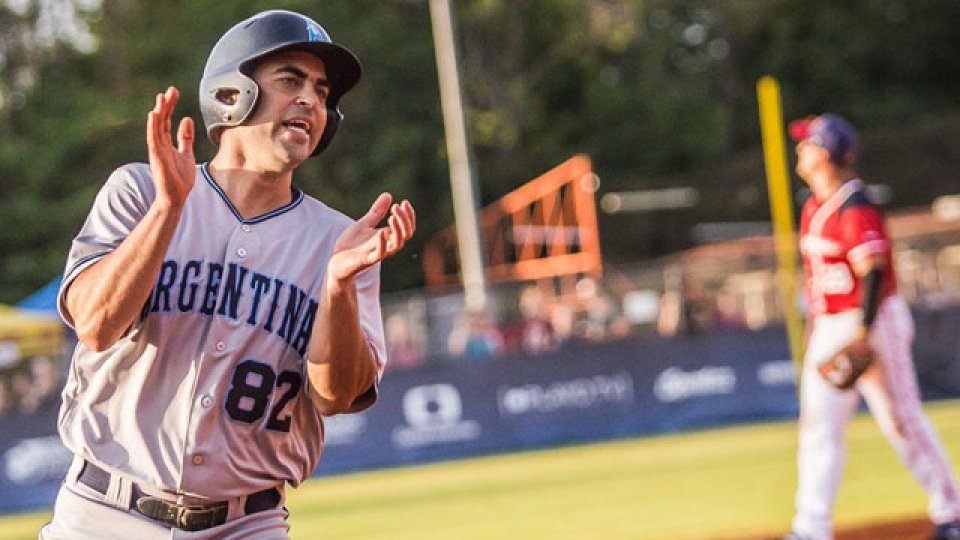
(890, 390)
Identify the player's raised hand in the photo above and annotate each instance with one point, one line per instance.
(173, 167)
(363, 244)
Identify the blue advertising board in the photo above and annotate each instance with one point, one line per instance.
(582, 393)
(578, 394)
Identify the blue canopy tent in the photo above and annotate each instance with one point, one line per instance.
(43, 300)
(32, 340)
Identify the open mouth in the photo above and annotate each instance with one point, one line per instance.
(298, 124)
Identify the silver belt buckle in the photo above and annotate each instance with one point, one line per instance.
(187, 518)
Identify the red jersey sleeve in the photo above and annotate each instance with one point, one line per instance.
(863, 232)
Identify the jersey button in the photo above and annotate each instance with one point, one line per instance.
(206, 402)
(242, 252)
(198, 459)
(246, 228)
(221, 345)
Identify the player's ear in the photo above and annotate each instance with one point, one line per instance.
(849, 158)
(824, 154)
(228, 96)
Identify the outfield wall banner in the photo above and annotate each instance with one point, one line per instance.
(32, 460)
(578, 394)
(582, 393)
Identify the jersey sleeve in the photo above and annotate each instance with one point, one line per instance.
(863, 232)
(371, 324)
(120, 204)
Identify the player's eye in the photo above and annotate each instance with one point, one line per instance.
(323, 92)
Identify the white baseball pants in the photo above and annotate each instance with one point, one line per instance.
(890, 390)
(82, 513)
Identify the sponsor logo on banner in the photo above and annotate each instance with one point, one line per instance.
(344, 429)
(434, 415)
(576, 394)
(36, 460)
(780, 372)
(674, 384)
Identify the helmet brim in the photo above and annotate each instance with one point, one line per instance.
(343, 67)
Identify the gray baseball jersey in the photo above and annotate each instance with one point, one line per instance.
(206, 394)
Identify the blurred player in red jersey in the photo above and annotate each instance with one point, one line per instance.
(851, 295)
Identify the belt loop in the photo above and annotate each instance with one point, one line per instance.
(121, 491)
(235, 507)
(76, 467)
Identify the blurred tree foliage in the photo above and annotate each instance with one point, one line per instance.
(658, 92)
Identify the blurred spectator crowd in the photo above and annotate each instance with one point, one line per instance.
(718, 287)
(29, 385)
(541, 321)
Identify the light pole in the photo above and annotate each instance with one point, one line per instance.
(458, 156)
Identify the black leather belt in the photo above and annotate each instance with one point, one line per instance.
(187, 518)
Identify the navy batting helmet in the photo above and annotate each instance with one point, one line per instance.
(231, 62)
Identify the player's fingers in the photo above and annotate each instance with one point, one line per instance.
(379, 247)
(403, 234)
(150, 132)
(408, 218)
(170, 98)
(185, 136)
(413, 214)
(173, 95)
(167, 122)
(384, 246)
(154, 122)
(377, 210)
(396, 223)
(160, 121)
(157, 107)
(395, 240)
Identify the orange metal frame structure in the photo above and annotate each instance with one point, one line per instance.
(546, 228)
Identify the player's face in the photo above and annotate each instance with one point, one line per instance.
(810, 157)
(291, 111)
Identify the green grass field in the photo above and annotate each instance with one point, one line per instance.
(721, 483)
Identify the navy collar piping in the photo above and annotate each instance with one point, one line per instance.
(297, 199)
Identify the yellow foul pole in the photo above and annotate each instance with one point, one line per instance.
(778, 184)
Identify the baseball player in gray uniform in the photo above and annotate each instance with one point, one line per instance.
(221, 312)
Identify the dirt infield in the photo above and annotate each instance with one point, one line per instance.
(918, 528)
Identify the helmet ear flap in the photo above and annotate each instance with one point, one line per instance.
(334, 117)
(227, 100)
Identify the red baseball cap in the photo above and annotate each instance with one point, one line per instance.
(828, 131)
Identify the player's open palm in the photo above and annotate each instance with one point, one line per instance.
(363, 244)
(173, 167)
